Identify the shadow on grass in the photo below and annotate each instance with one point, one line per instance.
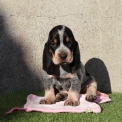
(15, 99)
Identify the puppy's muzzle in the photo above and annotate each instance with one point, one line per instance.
(63, 55)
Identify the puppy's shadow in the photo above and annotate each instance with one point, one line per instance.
(97, 68)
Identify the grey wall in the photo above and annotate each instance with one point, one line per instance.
(14, 72)
(24, 28)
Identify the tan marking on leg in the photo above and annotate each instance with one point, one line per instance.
(49, 96)
(91, 91)
(73, 98)
(49, 93)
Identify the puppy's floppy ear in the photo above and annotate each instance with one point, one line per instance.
(48, 64)
(76, 58)
(77, 53)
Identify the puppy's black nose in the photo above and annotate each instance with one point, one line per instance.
(63, 55)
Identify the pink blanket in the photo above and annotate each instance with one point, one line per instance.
(32, 104)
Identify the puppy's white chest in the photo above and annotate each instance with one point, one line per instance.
(64, 70)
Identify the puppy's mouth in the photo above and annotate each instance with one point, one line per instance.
(60, 63)
(65, 61)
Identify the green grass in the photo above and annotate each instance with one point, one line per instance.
(111, 112)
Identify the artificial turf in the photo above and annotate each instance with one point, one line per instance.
(111, 112)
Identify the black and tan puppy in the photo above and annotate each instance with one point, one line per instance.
(64, 75)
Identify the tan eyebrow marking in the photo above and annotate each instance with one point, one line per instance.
(67, 39)
(55, 41)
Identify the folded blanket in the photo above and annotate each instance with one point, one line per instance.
(32, 104)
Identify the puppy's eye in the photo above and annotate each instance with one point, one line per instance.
(67, 39)
(54, 43)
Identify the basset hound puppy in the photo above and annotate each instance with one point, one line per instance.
(64, 74)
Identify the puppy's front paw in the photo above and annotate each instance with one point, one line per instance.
(47, 101)
(61, 97)
(71, 103)
(91, 97)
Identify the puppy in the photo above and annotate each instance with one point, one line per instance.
(64, 74)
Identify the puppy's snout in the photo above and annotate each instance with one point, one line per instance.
(63, 55)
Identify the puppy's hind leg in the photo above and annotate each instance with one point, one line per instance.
(91, 90)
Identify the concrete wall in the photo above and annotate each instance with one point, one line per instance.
(24, 28)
